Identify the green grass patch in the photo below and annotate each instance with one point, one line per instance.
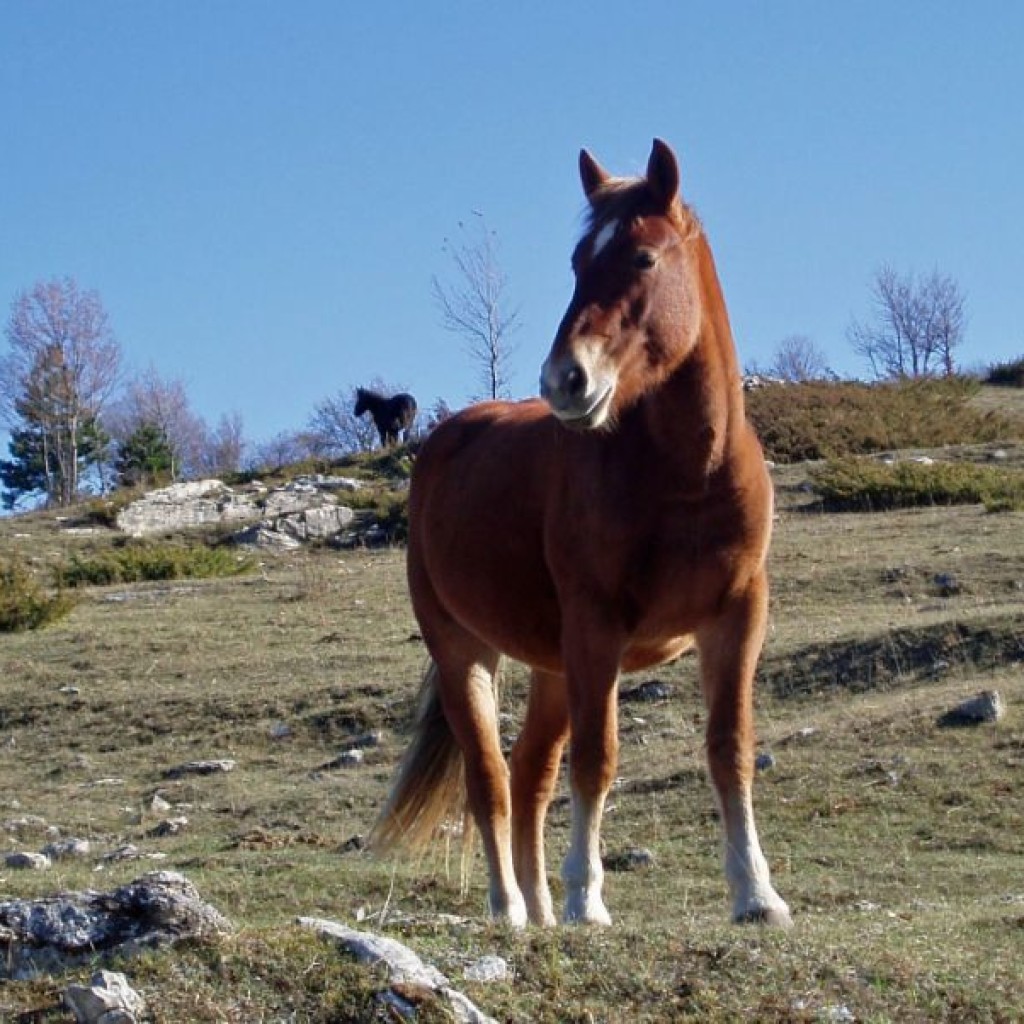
(141, 562)
(830, 420)
(23, 602)
(866, 485)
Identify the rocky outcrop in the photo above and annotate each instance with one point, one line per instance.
(186, 505)
(38, 936)
(304, 509)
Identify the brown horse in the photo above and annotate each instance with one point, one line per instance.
(603, 530)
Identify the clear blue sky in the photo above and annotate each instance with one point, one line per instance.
(260, 191)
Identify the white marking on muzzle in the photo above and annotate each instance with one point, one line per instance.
(593, 403)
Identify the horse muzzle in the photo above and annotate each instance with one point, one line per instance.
(578, 391)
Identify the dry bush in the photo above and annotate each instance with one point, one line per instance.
(23, 603)
(865, 485)
(141, 562)
(822, 420)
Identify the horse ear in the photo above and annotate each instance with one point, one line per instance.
(663, 174)
(592, 174)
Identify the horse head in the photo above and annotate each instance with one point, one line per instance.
(362, 401)
(635, 313)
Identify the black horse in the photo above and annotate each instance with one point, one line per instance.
(391, 415)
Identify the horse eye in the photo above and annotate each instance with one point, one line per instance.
(644, 259)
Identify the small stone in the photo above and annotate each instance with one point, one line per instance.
(651, 690)
(765, 761)
(67, 849)
(211, 767)
(131, 852)
(158, 805)
(365, 740)
(169, 827)
(27, 823)
(637, 859)
(947, 584)
(27, 861)
(108, 999)
(838, 1015)
(987, 706)
(280, 731)
(487, 969)
(799, 736)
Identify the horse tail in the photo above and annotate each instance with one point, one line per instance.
(429, 788)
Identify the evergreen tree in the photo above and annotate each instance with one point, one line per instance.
(33, 465)
(145, 457)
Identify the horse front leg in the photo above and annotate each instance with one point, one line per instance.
(592, 675)
(535, 760)
(729, 648)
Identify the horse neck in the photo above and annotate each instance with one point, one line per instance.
(696, 417)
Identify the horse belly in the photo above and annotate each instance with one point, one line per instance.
(639, 656)
(476, 539)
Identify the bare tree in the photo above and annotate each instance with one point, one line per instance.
(473, 305)
(283, 449)
(918, 324)
(223, 447)
(64, 363)
(155, 401)
(798, 359)
(150, 401)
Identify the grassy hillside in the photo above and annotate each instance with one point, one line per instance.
(898, 844)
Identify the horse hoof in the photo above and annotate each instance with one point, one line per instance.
(590, 913)
(775, 915)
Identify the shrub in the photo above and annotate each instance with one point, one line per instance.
(1009, 374)
(104, 511)
(23, 603)
(865, 485)
(393, 463)
(823, 420)
(139, 562)
(386, 509)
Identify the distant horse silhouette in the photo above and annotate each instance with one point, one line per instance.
(392, 416)
(605, 529)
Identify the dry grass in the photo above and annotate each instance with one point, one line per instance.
(897, 844)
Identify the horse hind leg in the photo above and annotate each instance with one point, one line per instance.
(729, 649)
(467, 694)
(535, 761)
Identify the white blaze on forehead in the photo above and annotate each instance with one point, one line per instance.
(604, 236)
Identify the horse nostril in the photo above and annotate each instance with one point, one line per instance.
(574, 381)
